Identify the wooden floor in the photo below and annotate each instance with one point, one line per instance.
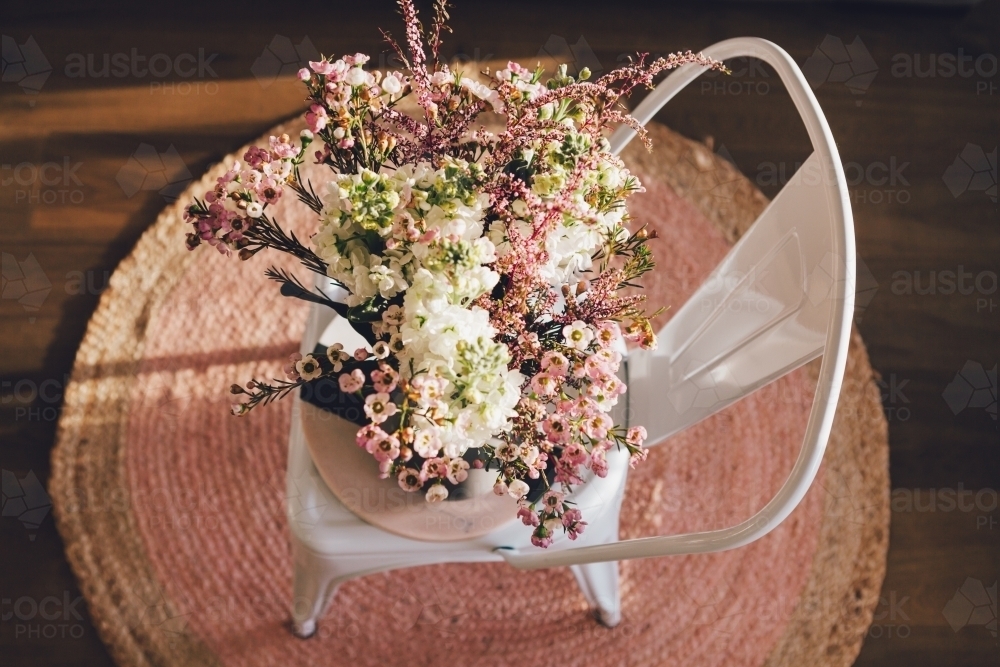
(68, 225)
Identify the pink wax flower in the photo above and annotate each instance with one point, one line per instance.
(317, 118)
(635, 436)
(410, 479)
(351, 382)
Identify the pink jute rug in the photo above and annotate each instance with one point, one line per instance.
(173, 512)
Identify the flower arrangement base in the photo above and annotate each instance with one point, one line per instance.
(352, 475)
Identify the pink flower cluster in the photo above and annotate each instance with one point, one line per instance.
(568, 400)
(240, 196)
(555, 514)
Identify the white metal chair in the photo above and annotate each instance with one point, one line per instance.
(795, 265)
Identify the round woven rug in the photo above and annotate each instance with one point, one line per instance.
(173, 512)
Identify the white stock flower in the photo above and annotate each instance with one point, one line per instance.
(391, 84)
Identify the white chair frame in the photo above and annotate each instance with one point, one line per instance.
(796, 263)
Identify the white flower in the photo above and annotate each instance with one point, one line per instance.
(518, 489)
(254, 209)
(426, 443)
(356, 76)
(436, 493)
(337, 356)
(381, 349)
(391, 84)
(308, 367)
(484, 93)
(458, 471)
(578, 335)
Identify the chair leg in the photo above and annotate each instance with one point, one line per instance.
(599, 584)
(315, 584)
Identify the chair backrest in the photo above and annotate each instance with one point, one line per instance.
(783, 296)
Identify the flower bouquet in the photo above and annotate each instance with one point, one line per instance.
(489, 272)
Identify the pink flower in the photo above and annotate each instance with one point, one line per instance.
(597, 426)
(410, 479)
(360, 354)
(574, 454)
(541, 538)
(317, 117)
(601, 363)
(598, 463)
(555, 363)
(385, 448)
(323, 67)
(282, 147)
(268, 190)
(544, 384)
(304, 74)
(351, 382)
(527, 517)
(556, 428)
(572, 523)
(368, 435)
(436, 468)
(637, 457)
(553, 500)
(567, 473)
(636, 436)
(608, 333)
(379, 407)
(290, 370)
(385, 379)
